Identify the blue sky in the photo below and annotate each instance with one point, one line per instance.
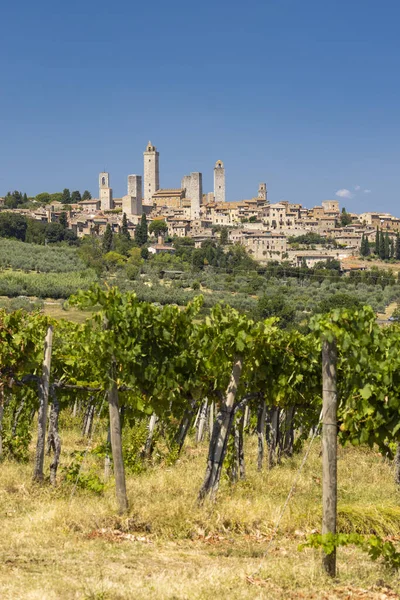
(302, 95)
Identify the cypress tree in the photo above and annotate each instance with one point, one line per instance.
(377, 240)
(386, 246)
(381, 252)
(66, 196)
(391, 248)
(124, 228)
(397, 249)
(143, 224)
(364, 246)
(107, 239)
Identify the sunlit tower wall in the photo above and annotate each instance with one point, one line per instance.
(219, 181)
(105, 192)
(151, 172)
(262, 191)
(196, 194)
(132, 202)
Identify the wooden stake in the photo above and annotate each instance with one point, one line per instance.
(44, 402)
(329, 449)
(116, 447)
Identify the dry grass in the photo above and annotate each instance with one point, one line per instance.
(57, 546)
(54, 309)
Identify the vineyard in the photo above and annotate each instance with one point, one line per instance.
(139, 391)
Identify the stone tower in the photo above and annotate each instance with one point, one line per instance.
(262, 191)
(105, 192)
(219, 181)
(151, 173)
(192, 185)
(132, 202)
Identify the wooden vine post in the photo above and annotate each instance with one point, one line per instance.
(116, 447)
(43, 406)
(329, 449)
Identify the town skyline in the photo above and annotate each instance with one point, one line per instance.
(307, 101)
(353, 194)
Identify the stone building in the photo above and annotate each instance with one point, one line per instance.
(151, 172)
(132, 202)
(168, 198)
(105, 192)
(219, 181)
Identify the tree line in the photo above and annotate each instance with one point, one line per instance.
(18, 199)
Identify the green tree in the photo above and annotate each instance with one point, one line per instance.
(223, 236)
(63, 220)
(276, 306)
(391, 248)
(158, 227)
(13, 200)
(43, 198)
(141, 235)
(345, 218)
(397, 248)
(86, 195)
(124, 228)
(364, 249)
(387, 246)
(381, 246)
(13, 226)
(108, 239)
(66, 196)
(377, 241)
(75, 196)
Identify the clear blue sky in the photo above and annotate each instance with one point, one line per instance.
(302, 95)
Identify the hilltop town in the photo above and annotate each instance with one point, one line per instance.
(268, 230)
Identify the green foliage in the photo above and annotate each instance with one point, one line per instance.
(66, 196)
(45, 285)
(13, 226)
(108, 239)
(18, 255)
(141, 234)
(364, 249)
(75, 197)
(43, 198)
(339, 300)
(134, 438)
(224, 236)
(86, 195)
(14, 199)
(310, 239)
(113, 259)
(158, 227)
(345, 218)
(373, 545)
(74, 474)
(276, 306)
(63, 220)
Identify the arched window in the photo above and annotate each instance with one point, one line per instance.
(103, 181)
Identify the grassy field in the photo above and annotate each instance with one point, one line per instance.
(58, 544)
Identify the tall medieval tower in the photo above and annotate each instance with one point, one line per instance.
(219, 181)
(262, 191)
(105, 192)
(151, 173)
